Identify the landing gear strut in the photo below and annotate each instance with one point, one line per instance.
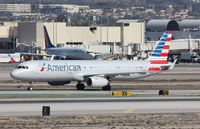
(30, 86)
(80, 86)
(107, 88)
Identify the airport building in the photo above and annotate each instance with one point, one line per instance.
(130, 37)
(186, 33)
(124, 33)
(15, 8)
(67, 7)
(8, 36)
(182, 29)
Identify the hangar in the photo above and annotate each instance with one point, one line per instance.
(182, 29)
(162, 25)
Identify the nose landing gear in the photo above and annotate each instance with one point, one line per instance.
(30, 86)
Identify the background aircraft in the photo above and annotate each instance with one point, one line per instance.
(95, 72)
(66, 53)
(10, 57)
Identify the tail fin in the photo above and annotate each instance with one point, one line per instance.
(48, 43)
(160, 53)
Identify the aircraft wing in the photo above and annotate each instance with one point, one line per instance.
(84, 76)
(35, 54)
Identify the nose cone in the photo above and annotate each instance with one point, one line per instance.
(15, 74)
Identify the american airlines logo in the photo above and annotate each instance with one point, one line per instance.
(42, 68)
(65, 67)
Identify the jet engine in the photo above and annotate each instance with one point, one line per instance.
(58, 83)
(97, 81)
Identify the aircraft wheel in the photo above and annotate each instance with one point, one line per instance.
(107, 88)
(163, 92)
(30, 88)
(80, 86)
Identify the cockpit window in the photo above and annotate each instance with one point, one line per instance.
(22, 67)
(19, 67)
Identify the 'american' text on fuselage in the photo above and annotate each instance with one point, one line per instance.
(65, 67)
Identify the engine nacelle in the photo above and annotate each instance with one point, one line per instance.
(58, 83)
(97, 81)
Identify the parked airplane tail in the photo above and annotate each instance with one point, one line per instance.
(48, 43)
(160, 53)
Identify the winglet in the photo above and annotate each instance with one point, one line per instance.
(52, 57)
(173, 64)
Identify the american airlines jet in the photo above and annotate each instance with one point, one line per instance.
(95, 72)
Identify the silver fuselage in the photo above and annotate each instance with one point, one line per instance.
(78, 70)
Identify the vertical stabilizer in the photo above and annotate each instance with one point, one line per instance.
(48, 43)
(160, 53)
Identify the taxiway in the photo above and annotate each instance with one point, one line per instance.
(33, 107)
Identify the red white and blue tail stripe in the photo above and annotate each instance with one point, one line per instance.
(160, 54)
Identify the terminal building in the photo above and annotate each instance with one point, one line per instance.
(8, 35)
(95, 38)
(129, 37)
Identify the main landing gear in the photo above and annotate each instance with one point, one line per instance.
(80, 86)
(107, 88)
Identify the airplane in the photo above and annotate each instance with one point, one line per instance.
(10, 57)
(95, 72)
(66, 53)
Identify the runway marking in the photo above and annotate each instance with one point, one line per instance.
(129, 110)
